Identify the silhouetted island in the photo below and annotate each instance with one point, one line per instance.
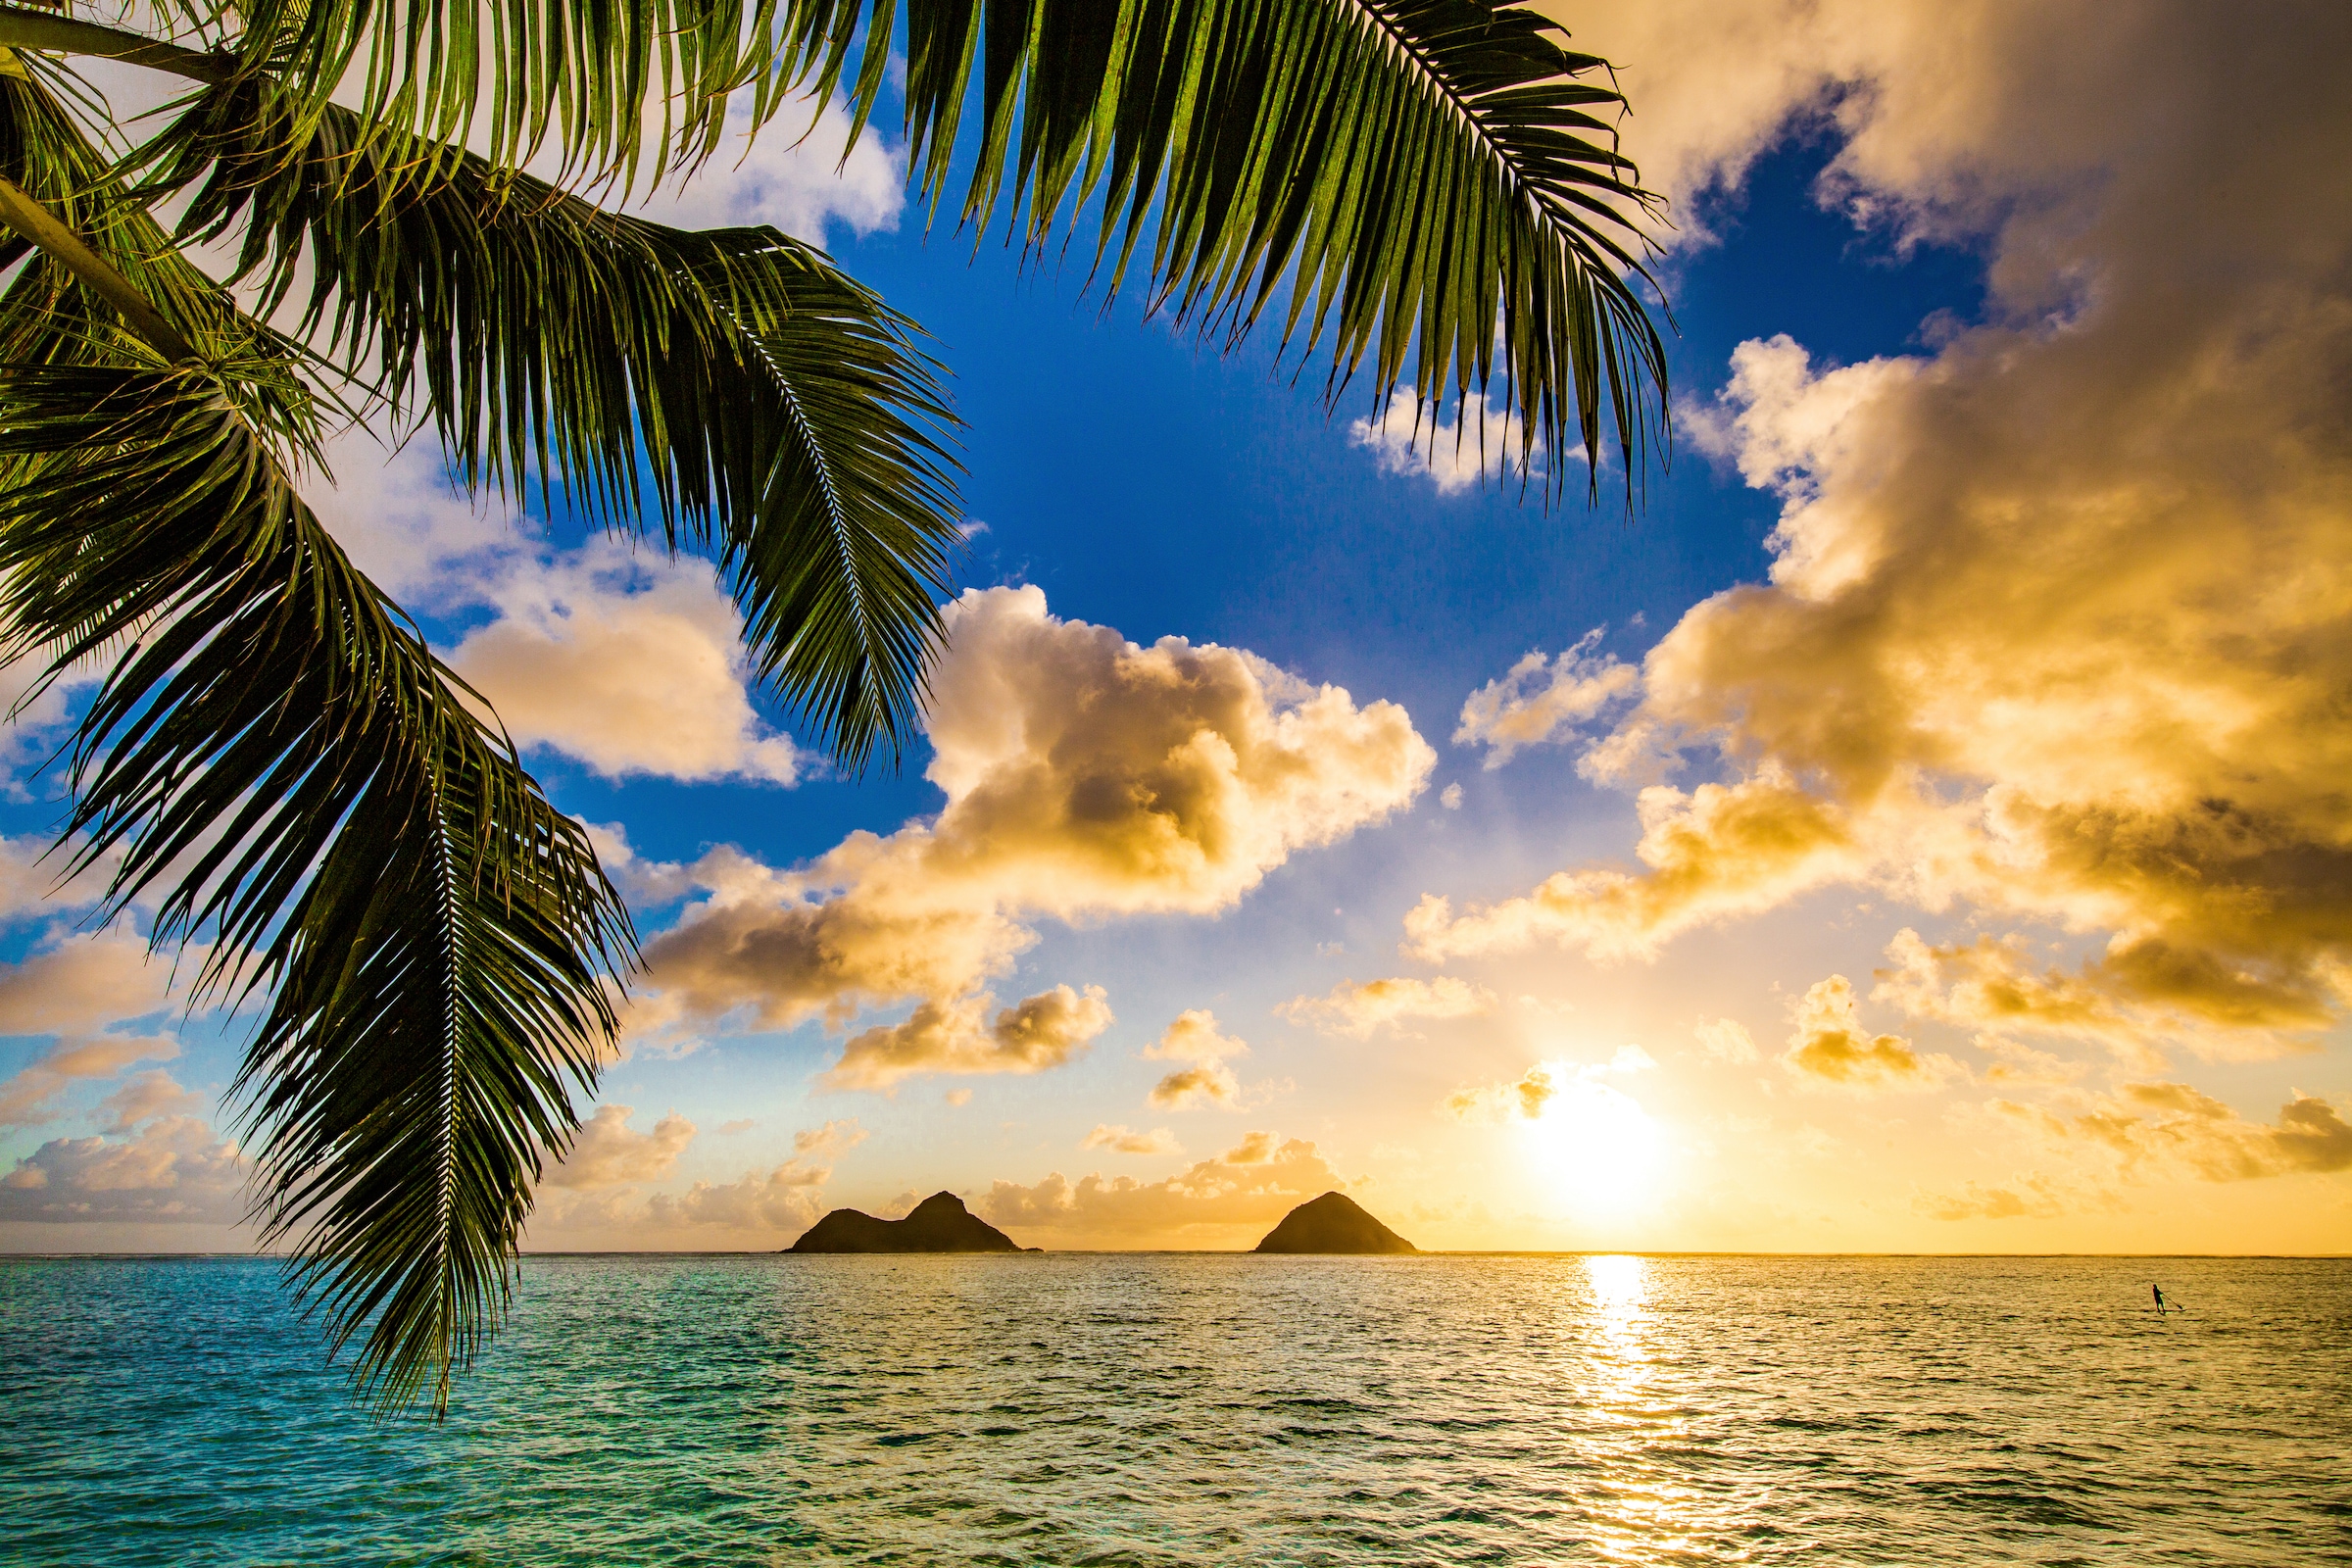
(940, 1223)
(1333, 1223)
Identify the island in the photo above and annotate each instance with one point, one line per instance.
(940, 1223)
(1333, 1223)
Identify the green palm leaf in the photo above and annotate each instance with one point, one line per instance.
(286, 761)
(732, 382)
(1430, 177)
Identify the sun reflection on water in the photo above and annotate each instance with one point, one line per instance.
(1642, 1508)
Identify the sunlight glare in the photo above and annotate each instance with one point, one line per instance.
(1594, 1146)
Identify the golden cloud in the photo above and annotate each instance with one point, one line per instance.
(1254, 1183)
(630, 663)
(1359, 1008)
(2155, 1128)
(1032, 1035)
(1830, 1045)
(1085, 778)
(605, 1152)
(1127, 1141)
(2060, 619)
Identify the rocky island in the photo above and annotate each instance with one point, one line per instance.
(939, 1223)
(1333, 1223)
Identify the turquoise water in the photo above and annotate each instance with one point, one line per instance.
(1182, 1409)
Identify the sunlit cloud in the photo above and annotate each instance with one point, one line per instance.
(1359, 1008)
(1539, 698)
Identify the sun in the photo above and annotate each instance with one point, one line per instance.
(1594, 1146)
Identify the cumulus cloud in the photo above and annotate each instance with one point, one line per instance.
(1361, 1007)
(393, 506)
(1033, 1035)
(632, 663)
(1541, 697)
(1254, 1183)
(173, 1169)
(1210, 1084)
(1477, 443)
(2159, 1128)
(1196, 1037)
(1830, 1045)
(606, 1152)
(1525, 1098)
(2057, 625)
(800, 184)
(1127, 1141)
(1714, 853)
(1085, 778)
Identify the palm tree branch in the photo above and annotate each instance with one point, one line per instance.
(283, 759)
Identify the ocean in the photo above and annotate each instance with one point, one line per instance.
(1173, 1408)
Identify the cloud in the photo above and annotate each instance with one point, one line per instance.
(2030, 1197)
(1727, 1040)
(74, 988)
(1478, 444)
(173, 1169)
(1127, 1141)
(1086, 778)
(1714, 853)
(1359, 1008)
(632, 663)
(2155, 1128)
(1536, 699)
(800, 184)
(1254, 1183)
(1195, 1037)
(605, 1152)
(396, 511)
(788, 1196)
(1831, 1046)
(2069, 593)
(1450, 797)
(1034, 1033)
(145, 1095)
(1211, 1083)
(1527, 1096)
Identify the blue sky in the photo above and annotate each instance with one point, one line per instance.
(1932, 1027)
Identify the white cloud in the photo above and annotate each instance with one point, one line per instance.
(1539, 698)
(1727, 1040)
(798, 183)
(1475, 445)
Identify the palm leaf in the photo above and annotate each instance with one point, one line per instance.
(306, 785)
(1430, 177)
(732, 382)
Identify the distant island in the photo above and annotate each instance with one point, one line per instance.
(940, 1223)
(1333, 1223)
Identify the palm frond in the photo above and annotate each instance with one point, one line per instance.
(732, 382)
(1433, 179)
(304, 785)
(616, 90)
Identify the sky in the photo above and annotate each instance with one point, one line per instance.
(1919, 824)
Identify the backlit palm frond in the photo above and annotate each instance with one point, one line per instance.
(289, 774)
(610, 88)
(1431, 179)
(731, 383)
